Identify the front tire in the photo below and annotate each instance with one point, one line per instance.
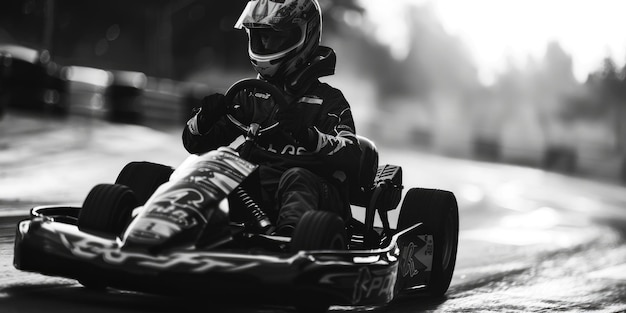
(439, 212)
(319, 230)
(144, 178)
(107, 210)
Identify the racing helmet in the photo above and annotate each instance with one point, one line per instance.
(282, 35)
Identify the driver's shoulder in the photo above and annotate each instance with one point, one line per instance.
(325, 91)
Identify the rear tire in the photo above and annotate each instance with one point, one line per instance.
(439, 212)
(319, 230)
(144, 178)
(107, 210)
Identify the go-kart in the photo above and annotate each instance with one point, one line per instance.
(161, 230)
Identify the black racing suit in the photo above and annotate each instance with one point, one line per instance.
(294, 179)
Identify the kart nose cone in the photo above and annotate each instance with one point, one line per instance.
(150, 231)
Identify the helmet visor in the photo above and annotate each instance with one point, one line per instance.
(266, 41)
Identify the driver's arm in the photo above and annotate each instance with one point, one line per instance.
(337, 144)
(209, 129)
(220, 134)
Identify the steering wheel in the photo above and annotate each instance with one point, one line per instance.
(253, 130)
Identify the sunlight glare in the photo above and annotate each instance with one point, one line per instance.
(391, 26)
(504, 32)
(501, 34)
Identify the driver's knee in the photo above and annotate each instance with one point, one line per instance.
(297, 176)
(298, 192)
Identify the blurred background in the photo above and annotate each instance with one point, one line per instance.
(534, 83)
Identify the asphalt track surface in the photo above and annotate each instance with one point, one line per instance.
(530, 241)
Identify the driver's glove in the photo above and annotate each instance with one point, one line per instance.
(213, 107)
(292, 121)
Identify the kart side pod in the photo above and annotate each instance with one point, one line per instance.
(189, 202)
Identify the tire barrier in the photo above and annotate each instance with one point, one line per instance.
(30, 81)
(123, 97)
(560, 159)
(487, 149)
(131, 97)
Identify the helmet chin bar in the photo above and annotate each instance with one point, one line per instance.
(271, 66)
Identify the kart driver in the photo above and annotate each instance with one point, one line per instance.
(305, 165)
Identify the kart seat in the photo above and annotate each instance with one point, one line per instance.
(377, 188)
(361, 186)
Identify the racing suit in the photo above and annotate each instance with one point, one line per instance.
(294, 178)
